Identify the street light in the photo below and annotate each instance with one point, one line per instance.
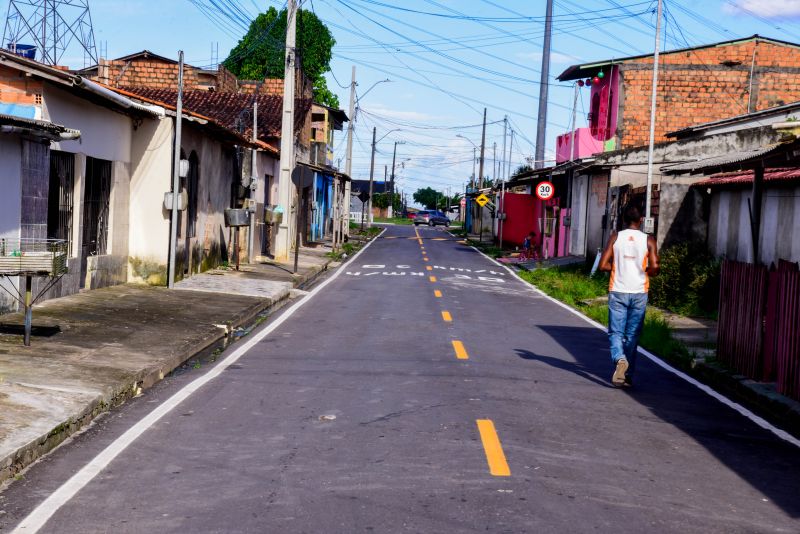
(474, 155)
(358, 98)
(372, 171)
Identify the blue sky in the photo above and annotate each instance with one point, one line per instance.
(450, 61)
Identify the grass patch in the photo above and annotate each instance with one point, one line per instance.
(394, 220)
(572, 285)
(351, 247)
(490, 250)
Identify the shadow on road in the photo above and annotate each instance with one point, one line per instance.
(767, 463)
(577, 368)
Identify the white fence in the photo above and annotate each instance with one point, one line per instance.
(355, 216)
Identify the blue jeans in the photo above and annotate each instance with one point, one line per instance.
(625, 321)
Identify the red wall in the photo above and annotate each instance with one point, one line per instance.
(522, 217)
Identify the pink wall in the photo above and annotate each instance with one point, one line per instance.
(522, 216)
(591, 140)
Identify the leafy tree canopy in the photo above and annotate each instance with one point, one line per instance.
(427, 197)
(521, 169)
(261, 52)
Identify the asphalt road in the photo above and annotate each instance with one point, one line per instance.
(396, 402)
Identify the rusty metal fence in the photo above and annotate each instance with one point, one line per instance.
(759, 323)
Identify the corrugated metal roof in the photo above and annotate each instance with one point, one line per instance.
(721, 161)
(45, 126)
(746, 177)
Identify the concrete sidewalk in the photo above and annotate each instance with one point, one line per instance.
(95, 350)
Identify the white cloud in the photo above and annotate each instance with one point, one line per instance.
(765, 8)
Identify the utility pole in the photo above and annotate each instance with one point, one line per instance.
(253, 173)
(474, 161)
(649, 226)
(349, 161)
(176, 175)
(541, 119)
(391, 191)
(503, 190)
(480, 171)
(371, 179)
(287, 162)
(503, 158)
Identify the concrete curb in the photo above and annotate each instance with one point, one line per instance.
(117, 394)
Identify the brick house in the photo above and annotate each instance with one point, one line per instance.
(602, 165)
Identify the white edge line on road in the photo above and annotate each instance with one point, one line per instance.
(47, 508)
(760, 421)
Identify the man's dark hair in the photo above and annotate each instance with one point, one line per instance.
(631, 213)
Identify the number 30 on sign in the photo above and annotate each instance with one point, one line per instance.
(545, 191)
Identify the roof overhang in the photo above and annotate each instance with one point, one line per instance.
(40, 129)
(773, 155)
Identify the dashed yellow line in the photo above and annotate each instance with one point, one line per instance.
(498, 466)
(428, 267)
(461, 352)
(432, 278)
(447, 317)
(425, 259)
(437, 294)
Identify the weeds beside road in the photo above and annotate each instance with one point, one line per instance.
(358, 238)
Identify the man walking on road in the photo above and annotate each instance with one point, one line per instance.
(631, 257)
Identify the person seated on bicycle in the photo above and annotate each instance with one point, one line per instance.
(527, 245)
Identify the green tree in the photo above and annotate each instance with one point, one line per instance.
(521, 169)
(381, 201)
(261, 52)
(427, 197)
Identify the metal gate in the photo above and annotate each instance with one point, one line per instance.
(60, 203)
(96, 209)
(759, 323)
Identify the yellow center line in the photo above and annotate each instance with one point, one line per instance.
(428, 267)
(494, 451)
(432, 279)
(461, 352)
(425, 259)
(447, 317)
(437, 294)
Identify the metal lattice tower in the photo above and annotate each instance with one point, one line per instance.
(52, 26)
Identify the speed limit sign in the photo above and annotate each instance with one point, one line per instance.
(545, 191)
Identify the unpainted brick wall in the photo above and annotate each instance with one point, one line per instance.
(149, 72)
(16, 88)
(700, 86)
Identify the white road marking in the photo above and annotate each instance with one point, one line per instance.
(758, 420)
(42, 513)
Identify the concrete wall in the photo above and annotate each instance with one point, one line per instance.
(105, 135)
(151, 172)
(10, 207)
(212, 244)
(729, 225)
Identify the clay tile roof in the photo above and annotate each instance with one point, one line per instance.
(231, 110)
(746, 177)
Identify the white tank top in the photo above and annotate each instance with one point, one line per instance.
(628, 273)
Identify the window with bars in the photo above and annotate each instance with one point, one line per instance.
(60, 195)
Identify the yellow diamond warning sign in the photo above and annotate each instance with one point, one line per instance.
(482, 200)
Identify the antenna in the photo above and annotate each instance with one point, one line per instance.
(49, 27)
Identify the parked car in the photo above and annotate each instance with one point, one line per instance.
(431, 218)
